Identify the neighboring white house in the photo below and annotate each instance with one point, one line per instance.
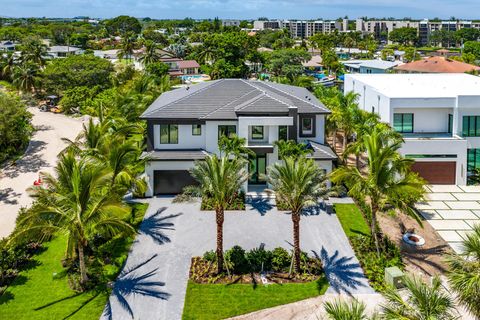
(369, 66)
(184, 125)
(438, 114)
(63, 51)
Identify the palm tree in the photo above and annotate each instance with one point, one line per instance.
(386, 182)
(346, 114)
(234, 146)
(464, 273)
(206, 55)
(76, 202)
(220, 180)
(424, 302)
(341, 310)
(291, 149)
(150, 55)
(25, 77)
(33, 51)
(8, 66)
(127, 45)
(297, 184)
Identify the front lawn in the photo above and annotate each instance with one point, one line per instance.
(43, 291)
(220, 301)
(352, 220)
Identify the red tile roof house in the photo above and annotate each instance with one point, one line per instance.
(436, 65)
(180, 67)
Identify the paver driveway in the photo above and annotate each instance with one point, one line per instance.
(157, 267)
(452, 211)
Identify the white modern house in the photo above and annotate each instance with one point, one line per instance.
(63, 51)
(369, 66)
(438, 115)
(184, 126)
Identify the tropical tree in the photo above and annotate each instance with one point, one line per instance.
(127, 45)
(423, 302)
(345, 114)
(7, 65)
(33, 50)
(234, 146)
(151, 54)
(220, 181)
(25, 77)
(291, 149)
(342, 310)
(464, 272)
(297, 184)
(387, 180)
(76, 202)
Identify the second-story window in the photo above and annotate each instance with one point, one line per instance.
(283, 133)
(403, 122)
(306, 127)
(196, 129)
(471, 126)
(226, 130)
(168, 134)
(257, 133)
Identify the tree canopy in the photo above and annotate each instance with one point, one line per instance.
(123, 25)
(404, 36)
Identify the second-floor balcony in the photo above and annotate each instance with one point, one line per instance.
(430, 135)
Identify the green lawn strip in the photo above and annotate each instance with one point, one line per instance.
(37, 294)
(220, 301)
(351, 219)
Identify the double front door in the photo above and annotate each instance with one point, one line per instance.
(258, 169)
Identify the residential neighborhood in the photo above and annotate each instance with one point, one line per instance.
(251, 161)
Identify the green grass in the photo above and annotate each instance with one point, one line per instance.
(35, 294)
(220, 301)
(351, 219)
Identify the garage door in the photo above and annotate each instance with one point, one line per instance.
(171, 181)
(436, 172)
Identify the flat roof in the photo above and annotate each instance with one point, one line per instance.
(421, 85)
(374, 64)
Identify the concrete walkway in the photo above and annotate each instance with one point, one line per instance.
(41, 155)
(154, 280)
(452, 211)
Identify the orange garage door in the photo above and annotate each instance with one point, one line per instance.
(436, 172)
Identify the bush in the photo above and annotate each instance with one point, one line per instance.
(238, 203)
(259, 259)
(236, 259)
(210, 256)
(14, 259)
(281, 259)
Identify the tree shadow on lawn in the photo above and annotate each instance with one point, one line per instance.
(128, 283)
(31, 161)
(342, 274)
(154, 225)
(262, 205)
(6, 297)
(76, 310)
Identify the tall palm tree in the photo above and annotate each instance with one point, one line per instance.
(387, 180)
(297, 184)
(206, 55)
(151, 54)
(424, 302)
(7, 65)
(127, 45)
(342, 310)
(25, 77)
(34, 51)
(291, 149)
(220, 180)
(76, 202)
(346, 114)
(235, 146)
(464, 272)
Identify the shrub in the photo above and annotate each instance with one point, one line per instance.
(281, 259)
(210, 256)
(259, 259)
(236, 257)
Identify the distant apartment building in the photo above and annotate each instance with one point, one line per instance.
(231, 23)
(381, 28)
(302, 28)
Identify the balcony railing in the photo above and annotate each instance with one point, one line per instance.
(430, 135)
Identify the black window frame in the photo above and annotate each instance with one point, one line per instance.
(196, 126)
(262, 132)
(169, 130)
(467, 130)
(302, 133)
(450, 123)
(283, 136)
(227, 128)
(403, 122)
(476, 164)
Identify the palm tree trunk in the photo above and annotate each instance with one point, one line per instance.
(219, 218)
(357, 160)
(83, 269)
(344, 140)
(373, 228)
(335, 140)
(296, 240)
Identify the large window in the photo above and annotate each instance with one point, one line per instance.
(196, 129)
(257, 133)
(450, 123)
(283, 133)
(473, 159)
(471, 126)
(403, 122)
(228, 131)
(306, 127)
(168, 134)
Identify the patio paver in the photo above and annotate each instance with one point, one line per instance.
(450, 236)
(445, 188)
(450, 225)
(470, 188)
(465, 196)
(432, 205)
(456, 214)
(441, 196)
(463, 204)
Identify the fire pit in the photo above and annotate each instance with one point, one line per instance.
(413, 239)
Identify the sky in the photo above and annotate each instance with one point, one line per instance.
(242, 9)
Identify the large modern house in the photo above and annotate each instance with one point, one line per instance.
(184, 126)
(438, 115)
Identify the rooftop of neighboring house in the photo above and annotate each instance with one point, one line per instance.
(437, 65)
(315, 61)
(226, 99)
(186, 64)
(374, 64)
(421, 85)
(63, 49)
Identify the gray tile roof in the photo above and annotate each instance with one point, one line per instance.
(322, 152)
(228, 98)
(165, 155)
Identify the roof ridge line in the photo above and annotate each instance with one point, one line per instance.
(224, 106)
(188, 95)
(291, 95)
(266, 93)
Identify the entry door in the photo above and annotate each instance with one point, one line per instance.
(258, 168)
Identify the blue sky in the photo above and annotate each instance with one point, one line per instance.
(242, 9)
